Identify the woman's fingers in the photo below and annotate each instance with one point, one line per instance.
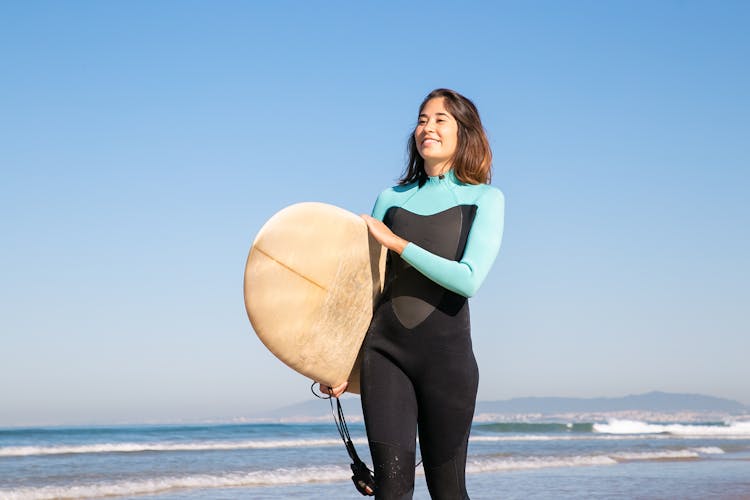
(372, 226)
(339, 389)
(384, 235)
(334, 391)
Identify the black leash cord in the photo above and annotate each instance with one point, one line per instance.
(362, 475)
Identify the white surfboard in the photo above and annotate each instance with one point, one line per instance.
(312, 278)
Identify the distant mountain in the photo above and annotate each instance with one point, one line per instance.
(652, 401)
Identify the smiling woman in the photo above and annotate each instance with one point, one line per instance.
(442, 226)
(436, 136)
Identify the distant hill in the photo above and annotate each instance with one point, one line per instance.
(651, 401)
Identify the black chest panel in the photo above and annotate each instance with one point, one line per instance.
(413, 295)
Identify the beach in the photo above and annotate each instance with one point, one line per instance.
(507, 459)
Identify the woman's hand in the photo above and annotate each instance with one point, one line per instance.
(334, 391)
(384, 235)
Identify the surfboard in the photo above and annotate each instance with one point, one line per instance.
(312, 278)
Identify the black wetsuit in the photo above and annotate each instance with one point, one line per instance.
(418, 368)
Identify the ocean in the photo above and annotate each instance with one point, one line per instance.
(522, 459)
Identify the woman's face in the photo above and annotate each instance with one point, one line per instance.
(436, 136)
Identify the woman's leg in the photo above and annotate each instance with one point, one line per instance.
(390, 410)
(446, 408)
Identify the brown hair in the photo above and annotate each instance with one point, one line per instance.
(472, 161)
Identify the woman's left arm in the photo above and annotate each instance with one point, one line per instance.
(465, 276)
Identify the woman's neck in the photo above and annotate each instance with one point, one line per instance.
(440, 168)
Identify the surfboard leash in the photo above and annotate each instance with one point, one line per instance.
(362, 476)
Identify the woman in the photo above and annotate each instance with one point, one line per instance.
(442, 225)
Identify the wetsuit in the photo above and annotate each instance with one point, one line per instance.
(418, 367)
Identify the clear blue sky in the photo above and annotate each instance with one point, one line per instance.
(143, 144)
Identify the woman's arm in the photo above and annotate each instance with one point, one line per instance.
(465, 276)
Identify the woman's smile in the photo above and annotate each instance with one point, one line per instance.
(436, 136)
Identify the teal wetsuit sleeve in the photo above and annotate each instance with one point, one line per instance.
(381, 206)
(465, 276)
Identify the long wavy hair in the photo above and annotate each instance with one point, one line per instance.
(472, 161)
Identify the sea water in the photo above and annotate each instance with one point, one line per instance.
(519, 460)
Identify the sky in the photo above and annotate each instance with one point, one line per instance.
(143, 145)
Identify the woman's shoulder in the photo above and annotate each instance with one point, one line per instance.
(394, 196)
(397, 191)
(483, 193)
(493, 192)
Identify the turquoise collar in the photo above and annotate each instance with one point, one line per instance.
(449, 176)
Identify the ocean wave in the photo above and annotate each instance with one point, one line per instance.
(496, 439)
(585, 437)
(495, 464)
(613, 430)
(731, 429)
(479, 465)
(146, 447)
(134, 447)
(667, 454)
(201, 481)
(327, 474)
(20, 451)
(536, 427)
(709, 450)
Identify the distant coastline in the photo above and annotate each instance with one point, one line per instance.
(653, 406)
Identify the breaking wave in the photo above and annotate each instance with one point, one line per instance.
(731, 429)
(327, 474)
(19, 451)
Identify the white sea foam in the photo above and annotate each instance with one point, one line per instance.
(19, 451)
(709, 450)
(479, 465)
(559, 437)
(732, 429)
(668, 454)
(273, 477)
(614, 429)
(522, 437)
(155, 485)
(135, 447)
(326, 474)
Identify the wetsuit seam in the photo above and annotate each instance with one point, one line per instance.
(394, 445)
